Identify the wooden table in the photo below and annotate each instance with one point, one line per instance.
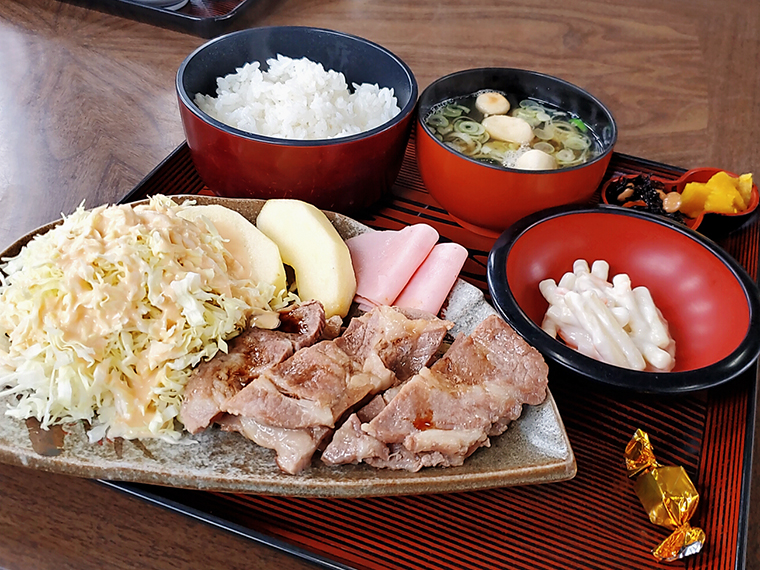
(87, 109)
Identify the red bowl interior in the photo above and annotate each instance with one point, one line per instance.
(698, 294)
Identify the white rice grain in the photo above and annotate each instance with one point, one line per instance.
(297, 99)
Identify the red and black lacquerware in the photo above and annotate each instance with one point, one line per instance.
(486, 198)
(712, 224)
(710, 302)
(345, 174)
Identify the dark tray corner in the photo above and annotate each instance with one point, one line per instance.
(205, 18)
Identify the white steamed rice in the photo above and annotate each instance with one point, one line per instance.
(297, 99)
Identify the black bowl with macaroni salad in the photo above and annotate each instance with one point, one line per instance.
(710, 303)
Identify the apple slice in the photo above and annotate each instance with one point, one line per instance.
(310, 244)
(258, 255)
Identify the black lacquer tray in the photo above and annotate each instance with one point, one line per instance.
(593, 521)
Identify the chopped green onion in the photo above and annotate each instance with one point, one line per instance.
(544, 146)
(445, 130)
(545, 134)
(580, 124)
(452, 111)
(463, 143)
(565, 156)
(470, 127)
(577, 142)
(533, 105)
(562, 130)
(496, 149)
(437, 121)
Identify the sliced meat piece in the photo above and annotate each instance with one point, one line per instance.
(450, 443)
(316, 386)
(294, 447)
(509, 356)
(320, 384)
(351, 445)
(405, 341)
(214, 382)
(251, 353)
(263, 401)
(482, 380)
(303, 324)
(402, 458)
(333, 328)
(444, 413)
(431, 283)
(313, 387)
(385, 261)
(372, 408)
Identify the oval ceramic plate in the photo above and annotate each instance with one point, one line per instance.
(535, 448)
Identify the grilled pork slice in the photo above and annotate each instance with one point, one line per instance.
(317, 385)
(313, 387)
(404, 340)
(251, 353)
(446, 412)
(294, 447)
(350, 444)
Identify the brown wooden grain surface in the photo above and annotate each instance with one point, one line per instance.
(87, 109)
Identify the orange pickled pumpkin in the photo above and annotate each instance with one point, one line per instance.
(693, 198)
(722, 194)
(745, 187)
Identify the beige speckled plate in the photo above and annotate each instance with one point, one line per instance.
(535, 448)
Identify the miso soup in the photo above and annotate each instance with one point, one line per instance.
(459, 124)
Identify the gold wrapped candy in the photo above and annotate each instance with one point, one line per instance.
(668, 496)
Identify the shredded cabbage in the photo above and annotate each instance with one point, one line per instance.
(102, 318)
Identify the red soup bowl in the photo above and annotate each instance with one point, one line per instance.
(487, 198)
(343, 174)
(711, 304)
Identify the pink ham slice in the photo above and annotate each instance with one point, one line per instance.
(431, 283)
(385, 261)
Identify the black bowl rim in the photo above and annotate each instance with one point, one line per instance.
(709, 376)
(602, 106)
(405, 112)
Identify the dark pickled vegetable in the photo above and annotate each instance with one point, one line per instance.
(641, 193)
